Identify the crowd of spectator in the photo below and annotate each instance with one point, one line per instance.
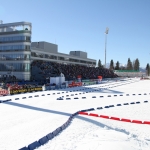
(41, 71)
(49, 69)
(7, 78)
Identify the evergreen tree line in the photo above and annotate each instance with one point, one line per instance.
(135, 65)
(130, 65)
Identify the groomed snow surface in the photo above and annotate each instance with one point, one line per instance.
(27, 120)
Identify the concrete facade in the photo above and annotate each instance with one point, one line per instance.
(47, 47)
(49, 52)
(79, 54)
(15, 52)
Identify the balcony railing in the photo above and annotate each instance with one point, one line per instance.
(15, 50)
(14, 59)
(10, 71)
(2, 42)
(87, 63)
(15, 32)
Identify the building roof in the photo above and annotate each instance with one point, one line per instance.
(15, 24)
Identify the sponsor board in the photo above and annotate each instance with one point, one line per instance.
(25, 90)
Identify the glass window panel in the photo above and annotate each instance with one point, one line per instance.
(16, 38)
(28, 57)
(28, 67)
(17, 67)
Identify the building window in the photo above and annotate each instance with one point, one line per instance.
(61, 58)
(81, 61)
(66, 59)
(15, 38)
(53, 57)
(73, 60)
(89, 62)
(40, 55)
(13, 67)
(14, 57)
(14, 47)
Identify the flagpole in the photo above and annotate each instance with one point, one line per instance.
(106, 32)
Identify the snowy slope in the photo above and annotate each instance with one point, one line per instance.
(26, 120)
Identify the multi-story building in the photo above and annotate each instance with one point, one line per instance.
(49, 52)
(15, 51)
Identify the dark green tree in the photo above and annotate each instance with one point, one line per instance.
(147, 69)
(111, 65)
(137, 65)
(100, 64)
(129, 65)
(117, 67)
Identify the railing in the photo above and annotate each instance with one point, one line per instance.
(15, 32)
(10, 71)
(16, 59)
(15, 50)
(67, 61)
(15, 41)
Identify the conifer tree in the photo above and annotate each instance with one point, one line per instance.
(129, 65)
(147, 69)
(117, 67)
(137, 65)
(111, 65)
(100, 64)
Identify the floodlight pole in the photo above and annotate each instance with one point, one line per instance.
(106, 32)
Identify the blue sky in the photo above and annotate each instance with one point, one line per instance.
(80, 25)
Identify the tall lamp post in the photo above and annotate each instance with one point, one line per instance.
(106, 32)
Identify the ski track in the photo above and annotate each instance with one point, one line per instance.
(27, 120)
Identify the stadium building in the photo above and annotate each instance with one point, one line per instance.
(17, 52)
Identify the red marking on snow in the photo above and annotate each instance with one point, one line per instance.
(137, 121)
(103, 116)
(125, 120)
(146, 122)
(94, 115)
(83, 113)
(116, 118)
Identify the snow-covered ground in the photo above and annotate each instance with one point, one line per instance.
(27, 120)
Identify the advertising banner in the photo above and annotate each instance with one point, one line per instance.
(17, 91)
